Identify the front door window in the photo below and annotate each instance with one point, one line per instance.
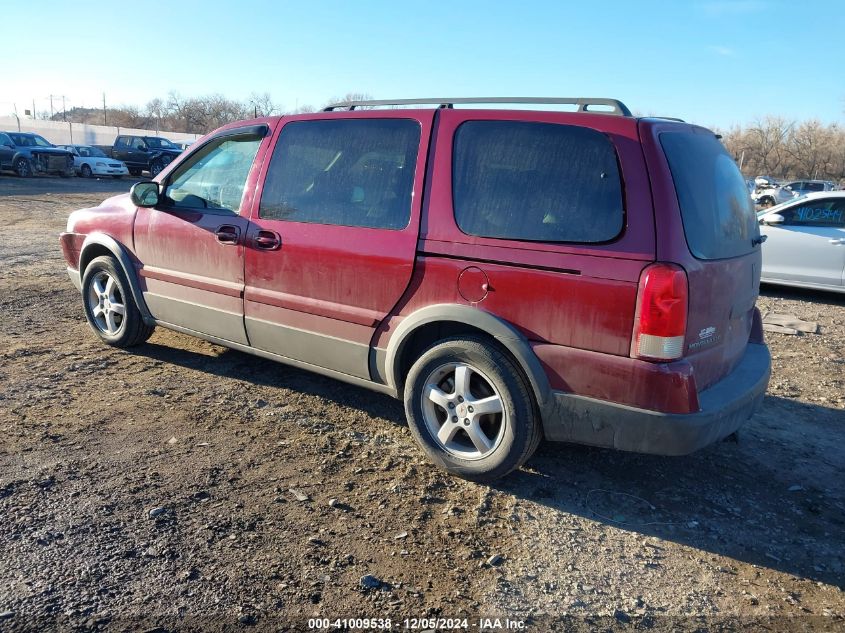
(213, 179)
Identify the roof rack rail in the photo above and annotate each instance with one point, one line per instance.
(617, 107)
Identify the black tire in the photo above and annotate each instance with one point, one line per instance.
(156, 167)
(66, 174)
(517, 428)
(117, 177)
(131, 330)
(85, 171)
(134, 171)
(23, 168)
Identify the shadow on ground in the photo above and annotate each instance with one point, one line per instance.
(773, 498)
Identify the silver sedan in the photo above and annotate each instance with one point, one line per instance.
(805, 242)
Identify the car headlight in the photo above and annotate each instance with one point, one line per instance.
(100, 163)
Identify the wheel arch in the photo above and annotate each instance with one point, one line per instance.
(432, 323)
(97, 244)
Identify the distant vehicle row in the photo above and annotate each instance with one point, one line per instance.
(28, 154)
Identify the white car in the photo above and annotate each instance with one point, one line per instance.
(805, 242)
(90, 161)
(770, 196)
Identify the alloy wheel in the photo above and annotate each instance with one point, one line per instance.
(106, 303)
(463, 411)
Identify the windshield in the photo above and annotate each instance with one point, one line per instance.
(159, 143)
(30, 140)
(90, 152)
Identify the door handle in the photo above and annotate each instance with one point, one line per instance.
(228, 234)
(267, 240)
(842, 241)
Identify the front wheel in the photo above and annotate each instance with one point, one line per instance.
(85, 171)
(109, 307)
(23, 168)
(471, 409)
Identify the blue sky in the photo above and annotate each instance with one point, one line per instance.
(712, 62)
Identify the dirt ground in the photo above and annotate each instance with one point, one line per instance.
(183, 486)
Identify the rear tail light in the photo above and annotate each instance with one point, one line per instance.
(661, 322)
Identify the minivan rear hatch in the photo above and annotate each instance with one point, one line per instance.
(717, 242)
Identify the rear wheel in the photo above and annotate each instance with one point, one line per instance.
(109, 308)
(134, 171)
(85, 171)
(23, 168)
(470, 408)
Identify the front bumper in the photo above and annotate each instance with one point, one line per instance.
(75, 277)
(725, 406)
(109, 171)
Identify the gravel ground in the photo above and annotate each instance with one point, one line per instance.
(184, 486)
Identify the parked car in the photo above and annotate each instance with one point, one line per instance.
(27, 154)
(771, 196)
(800, 187)
(805, 242)
(183, 145)
(144, 153)
(509, 274)
(91, 161)
(766, 196)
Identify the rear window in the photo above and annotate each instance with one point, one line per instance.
(718, 214)
(536, 181)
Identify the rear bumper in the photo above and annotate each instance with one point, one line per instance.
(725, 406)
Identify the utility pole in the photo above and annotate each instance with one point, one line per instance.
(33, 110)
(104, 109)
(51, 107)
(64, 109)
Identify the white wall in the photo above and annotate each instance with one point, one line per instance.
(60, 133)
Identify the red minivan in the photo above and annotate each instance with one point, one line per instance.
(583, 276)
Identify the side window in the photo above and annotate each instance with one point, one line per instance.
(5, 140)
(120, 142)
(350, 172)
(536, 181)
(138, 143)
(214, 178)
(828, 213)
(84, 152)
(814, 186)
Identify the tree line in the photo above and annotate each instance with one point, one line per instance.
(194, 115)
(787, 149)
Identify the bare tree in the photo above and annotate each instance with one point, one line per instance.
(262, 104)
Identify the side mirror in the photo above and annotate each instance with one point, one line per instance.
(145, 194)
(774, 218)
